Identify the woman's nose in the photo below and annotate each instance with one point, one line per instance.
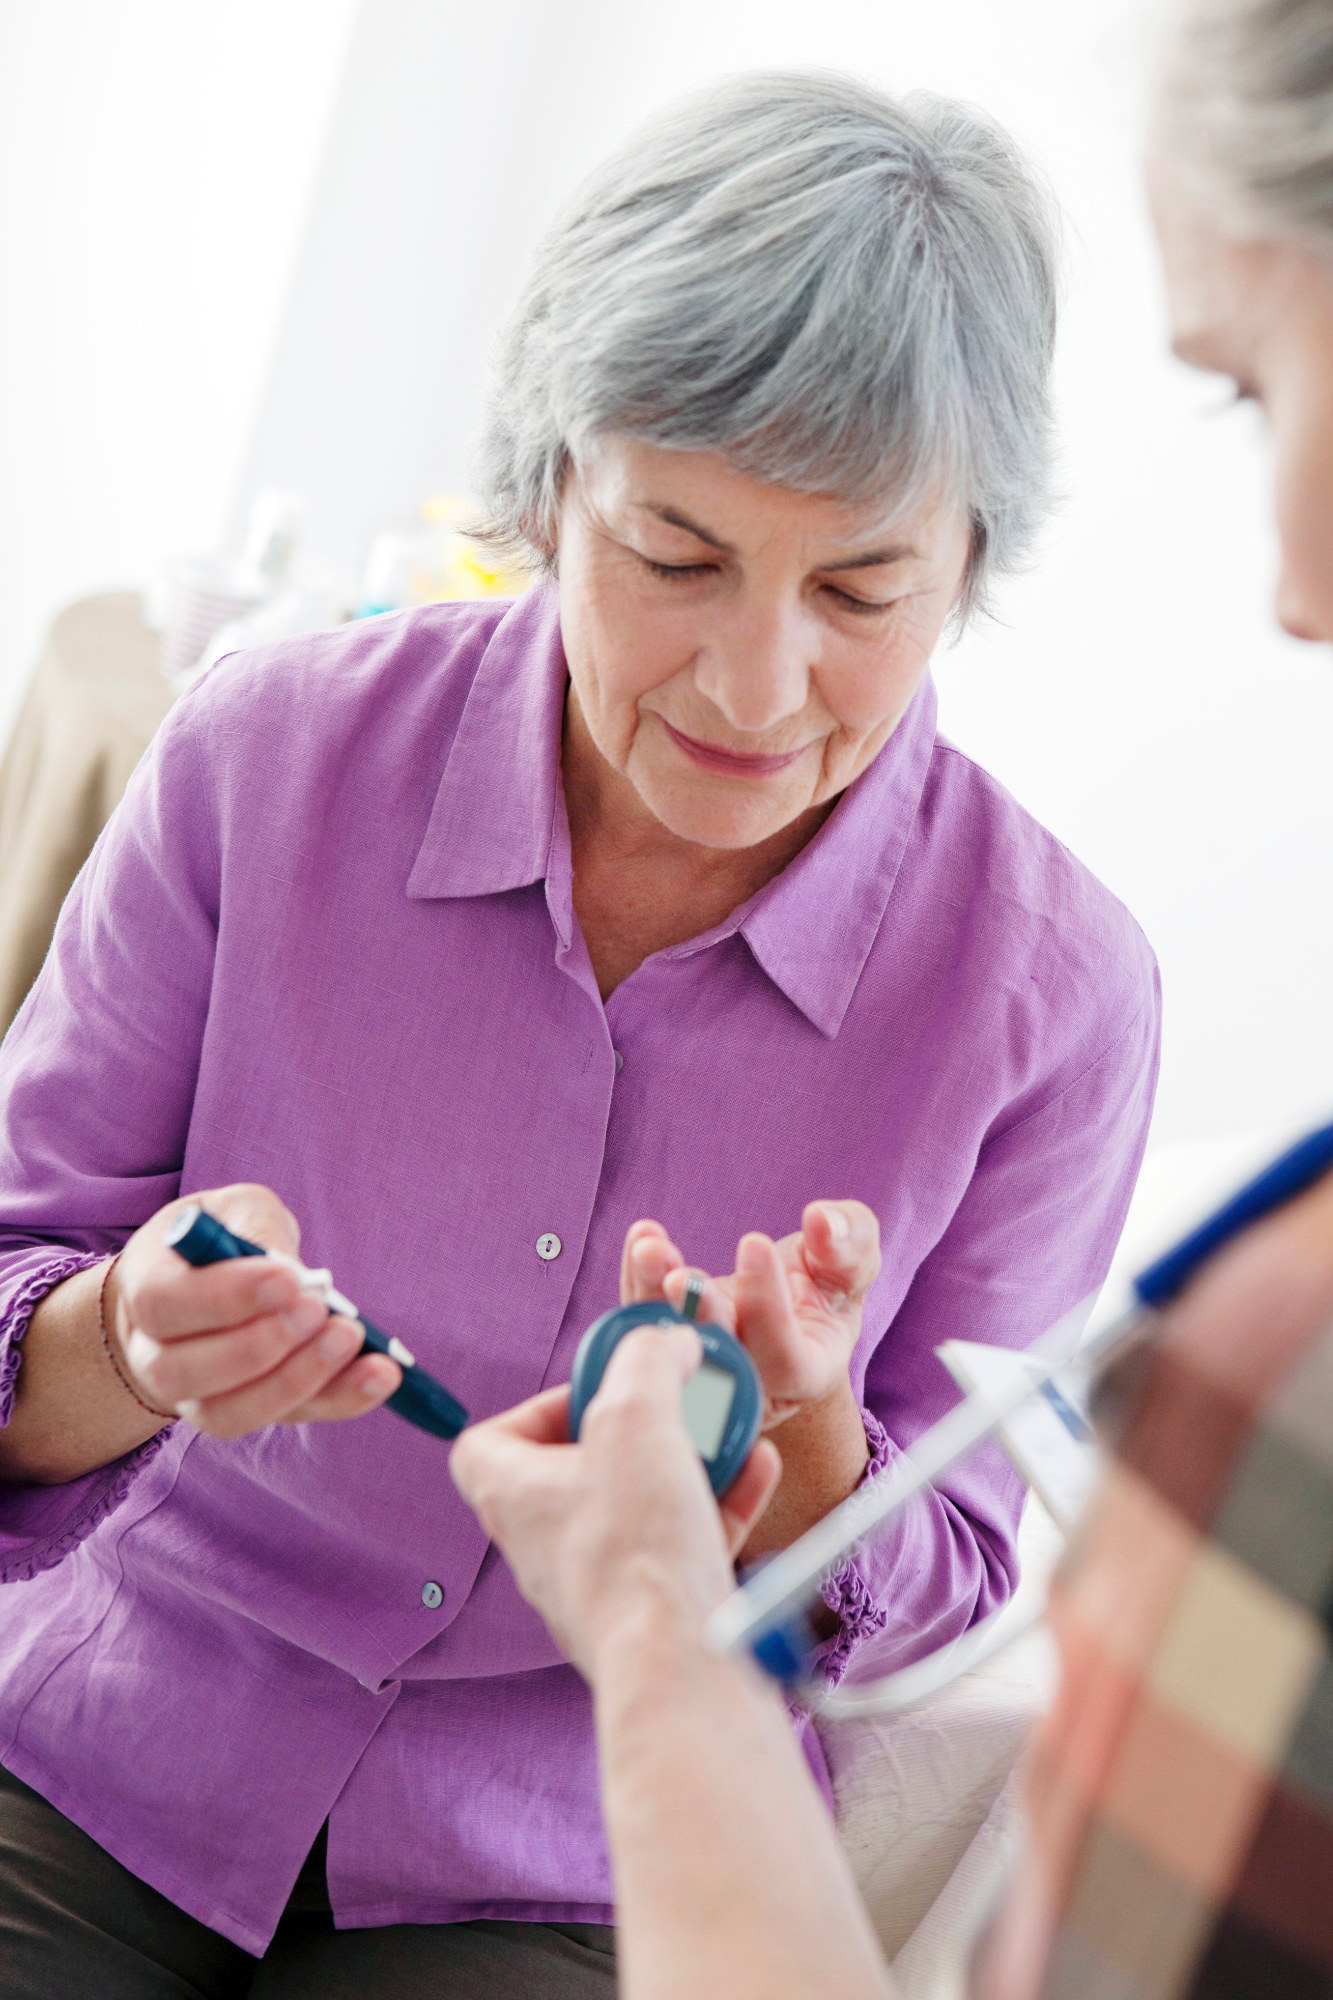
(755, 669)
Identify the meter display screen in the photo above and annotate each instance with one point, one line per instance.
(705, 1404)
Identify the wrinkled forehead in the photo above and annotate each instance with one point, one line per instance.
(627, 474)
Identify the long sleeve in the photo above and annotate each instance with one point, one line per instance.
(96, 1087)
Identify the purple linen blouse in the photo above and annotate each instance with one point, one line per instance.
(328, 943)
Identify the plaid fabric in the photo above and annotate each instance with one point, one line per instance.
(1181, 1791)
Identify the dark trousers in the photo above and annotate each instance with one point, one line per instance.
(74, 1924)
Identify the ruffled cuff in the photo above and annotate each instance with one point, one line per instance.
(39, 1525)
(32, 1290)
(847, 1591)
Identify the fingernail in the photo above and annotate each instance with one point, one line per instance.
(274, 1291)
(750, 1254)
(839, 1228)
(301, 1319)
(341, 1340)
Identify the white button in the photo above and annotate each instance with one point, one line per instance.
(432, 1596)
(620, 1061)
(549, 1247)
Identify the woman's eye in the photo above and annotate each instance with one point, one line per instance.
(863, 606)
(675, 571)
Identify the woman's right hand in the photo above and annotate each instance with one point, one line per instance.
(238, 1345)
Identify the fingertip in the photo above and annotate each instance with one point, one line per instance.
(656, 1247)
(714, 1308)
(753, 1253)
(463, 1462)
(684, 1344)
(750, 1493)
(378, 1379)
(842, 1238)
(827, 1228)
(768, 1455)
(650, 1349)
(649, 1259)
(836, 1222)
(766, 1469)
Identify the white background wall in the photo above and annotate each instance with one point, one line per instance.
(157, 159)
(269, 243)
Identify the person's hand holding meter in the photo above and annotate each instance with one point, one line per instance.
(620, 1532)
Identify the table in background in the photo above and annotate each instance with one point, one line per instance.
(92, 707)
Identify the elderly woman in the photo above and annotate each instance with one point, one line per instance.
(465, 938)
(1182, 1790)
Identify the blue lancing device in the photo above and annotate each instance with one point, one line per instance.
(722, 1403)
(200, 1239)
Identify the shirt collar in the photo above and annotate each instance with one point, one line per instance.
(812, 927)
(492, 825)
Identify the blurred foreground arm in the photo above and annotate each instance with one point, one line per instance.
(729, 1878)
(1180, 1815)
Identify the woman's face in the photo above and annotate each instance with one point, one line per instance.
(1262, 313)
(738, 651)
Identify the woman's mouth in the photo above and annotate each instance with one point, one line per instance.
(729, 763)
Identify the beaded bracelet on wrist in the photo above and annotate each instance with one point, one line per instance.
(168, 1415)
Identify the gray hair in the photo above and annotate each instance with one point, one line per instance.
(835, 290)
(1248, 101)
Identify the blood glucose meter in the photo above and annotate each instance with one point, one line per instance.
(723, 1401)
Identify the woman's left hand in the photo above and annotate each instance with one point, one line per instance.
(795, 1305)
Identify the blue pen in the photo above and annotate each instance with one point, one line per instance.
(767, 1614)
(200, 1238)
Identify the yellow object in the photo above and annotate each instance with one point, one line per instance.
(455, 564)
